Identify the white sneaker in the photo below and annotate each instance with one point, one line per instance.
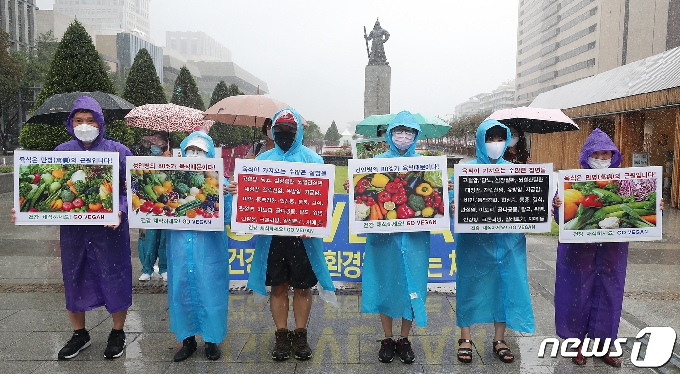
(145, 277)
(164, 276)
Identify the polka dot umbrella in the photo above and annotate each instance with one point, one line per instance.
(168, 118)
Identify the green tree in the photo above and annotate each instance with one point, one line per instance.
(76, 66)
(313, 135)
(11, 73)
(185, 91)
(38, 59)
(332, 136)
(229, 135)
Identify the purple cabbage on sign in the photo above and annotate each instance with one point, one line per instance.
(638, 188)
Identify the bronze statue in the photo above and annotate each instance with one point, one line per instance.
(378, 36)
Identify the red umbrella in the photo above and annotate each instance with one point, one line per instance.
(245, 110)
(167, 117)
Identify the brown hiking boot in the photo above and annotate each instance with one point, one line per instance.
(300, 347)
(282, 346)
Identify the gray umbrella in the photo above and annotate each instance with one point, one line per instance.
(55, 110)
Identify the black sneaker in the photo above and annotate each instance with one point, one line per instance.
(301, 349)
(404, 351)
(77, 343)
(212, 351)
(116, 344)
(282, 346)
(386, 353)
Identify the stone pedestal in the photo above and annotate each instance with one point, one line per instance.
(377, 90)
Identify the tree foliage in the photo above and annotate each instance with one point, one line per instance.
(11, 73)
(313, 135)
(76, 66)
(143, 86)
(185, 92)
(466, 125)
(332, 136)
(229, 135)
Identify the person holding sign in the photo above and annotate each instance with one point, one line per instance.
(394, 275)
(198, 274)
(491, 279)
(590, 277)
(287, 261)
(517, 152)
(95, 260)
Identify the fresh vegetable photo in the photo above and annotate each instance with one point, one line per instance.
(175, 193)
(610, 204)
(66, 188)
(388, 196)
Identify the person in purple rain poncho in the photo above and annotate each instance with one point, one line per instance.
(95, 260)
(590, 277)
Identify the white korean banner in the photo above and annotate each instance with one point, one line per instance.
(283, 198)
(175, 193)
(610, 205)
(403, 194)
(66, 188)
(508, 198)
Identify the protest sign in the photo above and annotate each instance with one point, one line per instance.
(344, 251)
(175, 193)
(502, 198)
(610, 205)
(283, 198)
(403, 194)
(369, 148)
(66, 188)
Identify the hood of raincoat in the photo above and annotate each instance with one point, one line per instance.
(211, 144)
(87, 103)
(599, 141)
(403, 118)
(480, 138)
(297, 152)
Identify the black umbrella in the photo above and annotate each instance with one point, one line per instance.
(55, 110)
(536, 120)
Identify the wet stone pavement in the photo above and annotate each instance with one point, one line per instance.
(34, 324)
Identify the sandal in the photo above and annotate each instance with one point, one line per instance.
(579, 359)
(504, 353)
(465, 354)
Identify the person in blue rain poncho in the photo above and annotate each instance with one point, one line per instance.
(394, 275)
(491, 279)
(285, 261)
(198, 274)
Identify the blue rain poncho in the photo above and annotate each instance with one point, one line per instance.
(313, 246)
(491, 279)
(198, 276)
(394, 277)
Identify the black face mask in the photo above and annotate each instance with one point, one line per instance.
(284, 140)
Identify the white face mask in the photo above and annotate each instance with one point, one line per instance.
(513, 141)
(599, 164)
(270, 134)
(195, 153)
(495, 149)
(403, 140)
(86, 133)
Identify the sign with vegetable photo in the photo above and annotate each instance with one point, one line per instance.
(283, 198)
(66, 188)
(398, 195)
(610, 205)
(175, 193)
(369, 148)
(504, 198)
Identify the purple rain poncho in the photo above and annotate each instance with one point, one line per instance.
(590, 276)
(95, 260)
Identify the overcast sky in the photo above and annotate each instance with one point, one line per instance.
(312, 54)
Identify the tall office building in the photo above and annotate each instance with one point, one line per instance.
(197, 46)
(562, 41)
(110, 17)
(17, 18)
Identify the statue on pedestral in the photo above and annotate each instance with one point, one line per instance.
(378, 37)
